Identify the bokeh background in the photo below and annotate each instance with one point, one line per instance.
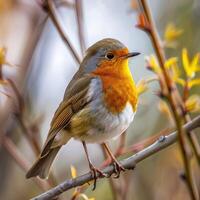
(45, 67)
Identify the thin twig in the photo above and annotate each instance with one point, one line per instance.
(79, 17)
(65, 3)
(20, 160)
(17, 156)
(32, 140)
(128, 163)
(19, 97)
(19, 116)
(60, 27)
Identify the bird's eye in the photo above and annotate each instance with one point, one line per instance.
(109, 56)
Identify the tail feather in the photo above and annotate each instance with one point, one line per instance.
(42, 166)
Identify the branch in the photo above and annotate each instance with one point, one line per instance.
(55, 18)
(21, 161)
(79, 17)
(170, 92)
(19, 116)
(128, 163)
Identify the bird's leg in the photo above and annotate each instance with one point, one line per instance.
(93, 169)
(118, 167)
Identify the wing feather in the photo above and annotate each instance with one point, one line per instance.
(74, 100)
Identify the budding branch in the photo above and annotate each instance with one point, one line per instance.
(128, 163)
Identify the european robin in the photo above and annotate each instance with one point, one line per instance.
(99, 104)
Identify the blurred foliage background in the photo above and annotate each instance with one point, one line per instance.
(44, 68)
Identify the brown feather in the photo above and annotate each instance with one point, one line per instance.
(42, 165)
(74, 100)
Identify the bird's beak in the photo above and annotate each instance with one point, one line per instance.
(132, 54)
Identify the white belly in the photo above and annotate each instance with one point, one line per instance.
(95, 124)
(113, 125)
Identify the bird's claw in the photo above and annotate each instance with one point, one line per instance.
(95, 171)
(117, 169)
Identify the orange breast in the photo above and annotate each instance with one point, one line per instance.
(117, 92)
(118, 85)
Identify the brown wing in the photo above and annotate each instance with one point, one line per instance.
(74, 100)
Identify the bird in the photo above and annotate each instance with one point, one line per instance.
(99, 104)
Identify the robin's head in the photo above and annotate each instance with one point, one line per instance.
(106, 54)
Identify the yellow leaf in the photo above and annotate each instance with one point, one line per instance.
(2, 55)
(171, 62)
(171, 34)
(185, 61)
(172, 65)
(193, 82)
(195, 63)
(180, 81)
(141, 86)
(195, 60)
(73, 171)
(153, 63)
(193, 103)
(190, 68)
(197, 68)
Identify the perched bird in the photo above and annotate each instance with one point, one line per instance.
(99, 104)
